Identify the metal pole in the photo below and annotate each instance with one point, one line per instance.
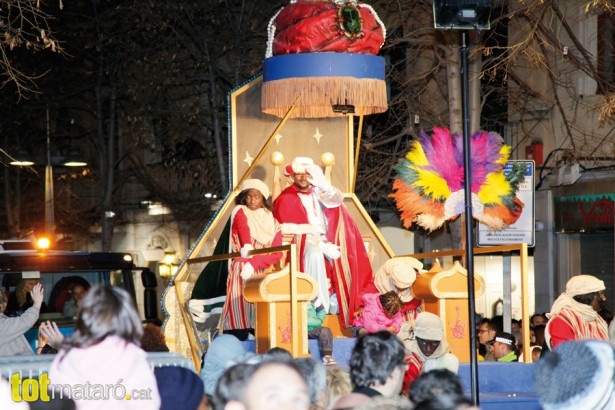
(507, 279)
(467, 155)
(49, 200)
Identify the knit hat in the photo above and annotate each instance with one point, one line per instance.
(256, 184)
(179, 388)
(297, 166)
(428, 327)
(503, 337)
(577, 375)
(222, 351)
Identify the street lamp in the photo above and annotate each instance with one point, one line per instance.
(50, 226)
(465, 15)
(462, 14)
(72, 160)
(22, 159)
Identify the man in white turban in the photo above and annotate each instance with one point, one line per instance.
(574, 314)
(427, 349)
(398, 274)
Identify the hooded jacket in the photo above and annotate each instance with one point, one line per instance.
(104, 375)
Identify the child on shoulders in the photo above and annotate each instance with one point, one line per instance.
(379, 312)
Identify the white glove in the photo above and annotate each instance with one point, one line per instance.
(330, 250)
(196, 307)
(247, 271)
(245, 249)
(317, 178)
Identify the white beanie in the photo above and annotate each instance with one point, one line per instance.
(256, 184)
(429, 327)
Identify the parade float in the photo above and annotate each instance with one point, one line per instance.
(321, 76)
(321, 70)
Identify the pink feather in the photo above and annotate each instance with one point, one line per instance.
(443, 158)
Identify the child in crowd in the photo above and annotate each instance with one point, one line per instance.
(316, 316)
(222, 352)
(180, 389)
(379, 312)
(104, 350)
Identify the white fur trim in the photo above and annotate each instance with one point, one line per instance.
(300, 229)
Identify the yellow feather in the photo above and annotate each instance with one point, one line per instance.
(416, 155)
(505, 153)
(495, 187)
(433, 185)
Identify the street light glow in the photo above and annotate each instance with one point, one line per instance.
(43, 243)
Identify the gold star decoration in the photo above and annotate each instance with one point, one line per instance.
(278, 137)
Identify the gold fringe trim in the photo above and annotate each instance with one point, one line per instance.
(314, 97)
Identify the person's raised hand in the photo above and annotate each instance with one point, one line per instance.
(317, 178)
(38, 294)
(52, 333)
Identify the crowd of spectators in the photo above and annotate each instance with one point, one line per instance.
(109, 345)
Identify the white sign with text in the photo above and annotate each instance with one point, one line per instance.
(523, 230)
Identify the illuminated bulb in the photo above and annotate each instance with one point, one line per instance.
(43, 243)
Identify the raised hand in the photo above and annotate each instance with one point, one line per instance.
(52, 333)
(317, 178)
(38, 294)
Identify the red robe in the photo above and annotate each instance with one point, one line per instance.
(237, 312)
(351, 275)
(569, 325)
(414, 370)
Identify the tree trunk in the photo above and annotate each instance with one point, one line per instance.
(12, 200)
(215, 117)
(453, 68)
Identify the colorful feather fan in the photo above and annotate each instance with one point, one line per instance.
(429, 187)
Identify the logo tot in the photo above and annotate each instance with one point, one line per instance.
(29, 389)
